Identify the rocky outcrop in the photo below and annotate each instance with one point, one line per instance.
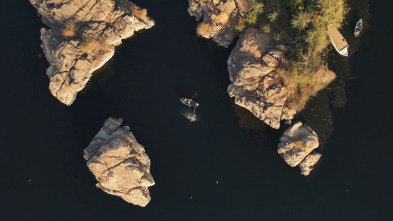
(296, 144)
(81, 37)
(255, 85)
(306, 166)
(220, 18)
(120, 163)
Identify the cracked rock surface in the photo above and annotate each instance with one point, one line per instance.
(120, 163)
(296, 144)
(255, 85)
(81, 37)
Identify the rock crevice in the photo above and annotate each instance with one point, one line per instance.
(119, 163)
(255, 85)
(297, 146)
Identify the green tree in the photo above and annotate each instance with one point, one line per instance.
(252, 15)
(274, 15)
(266, 28)
(301, 20)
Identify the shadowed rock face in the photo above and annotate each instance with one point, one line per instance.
(255, 86)
(296, 144)
(219, 18)
(81, 38)
(120, 163)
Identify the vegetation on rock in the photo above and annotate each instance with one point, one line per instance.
(70, 29)
(307, 72)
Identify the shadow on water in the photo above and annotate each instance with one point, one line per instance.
(43, 140)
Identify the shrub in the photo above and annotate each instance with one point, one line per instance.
(273, 16)
(266, 28)
(90, 45)
(204, 29)
(240, 25)
(277, 36)
(70, 29)
(139, 12)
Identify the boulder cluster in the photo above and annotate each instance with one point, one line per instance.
(297, 146)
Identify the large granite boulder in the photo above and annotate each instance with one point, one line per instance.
(296, 144)
(255, 85)
(220, 18)
(81, 37)
(120, 163)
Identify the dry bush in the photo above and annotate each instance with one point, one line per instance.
(221, 18)
(299, 145)
(204, 30)
(70, 29)
(139, 12)
(90, 45)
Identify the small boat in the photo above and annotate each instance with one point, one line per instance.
(338, 41)
(358, 28)
(189, 102)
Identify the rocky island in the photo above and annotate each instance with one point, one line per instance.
(296, 146)
(279, 61)
(80, 37)
(120, 163)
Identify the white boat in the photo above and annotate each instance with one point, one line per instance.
(338, 41)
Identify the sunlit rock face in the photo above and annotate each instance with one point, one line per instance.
(219, 18)
(120, 163)
(296, 144)
(81, 37)
(255, 85)
(307, 165)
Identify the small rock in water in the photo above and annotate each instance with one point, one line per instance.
(120, 163)
(296, 147)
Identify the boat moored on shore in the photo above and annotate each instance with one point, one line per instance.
(338, 41)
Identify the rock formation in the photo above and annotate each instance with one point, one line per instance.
(120, 163)
(296, 144)
(306, 166)
(219, 18)
(81, 37)
(255, 85)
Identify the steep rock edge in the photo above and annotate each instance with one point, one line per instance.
(219, 18)
(296, 146)
(81, 37)
(255, 85)
(120, 163)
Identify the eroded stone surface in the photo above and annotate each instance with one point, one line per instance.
(81, 38)
(120, 163)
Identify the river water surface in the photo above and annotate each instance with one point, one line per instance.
(44, 176)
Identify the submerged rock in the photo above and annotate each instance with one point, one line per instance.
(295, 145)
(219, 18)
(255, 85)
(120, 163)
(81, 37)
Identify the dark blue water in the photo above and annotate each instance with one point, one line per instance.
(43, 140)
